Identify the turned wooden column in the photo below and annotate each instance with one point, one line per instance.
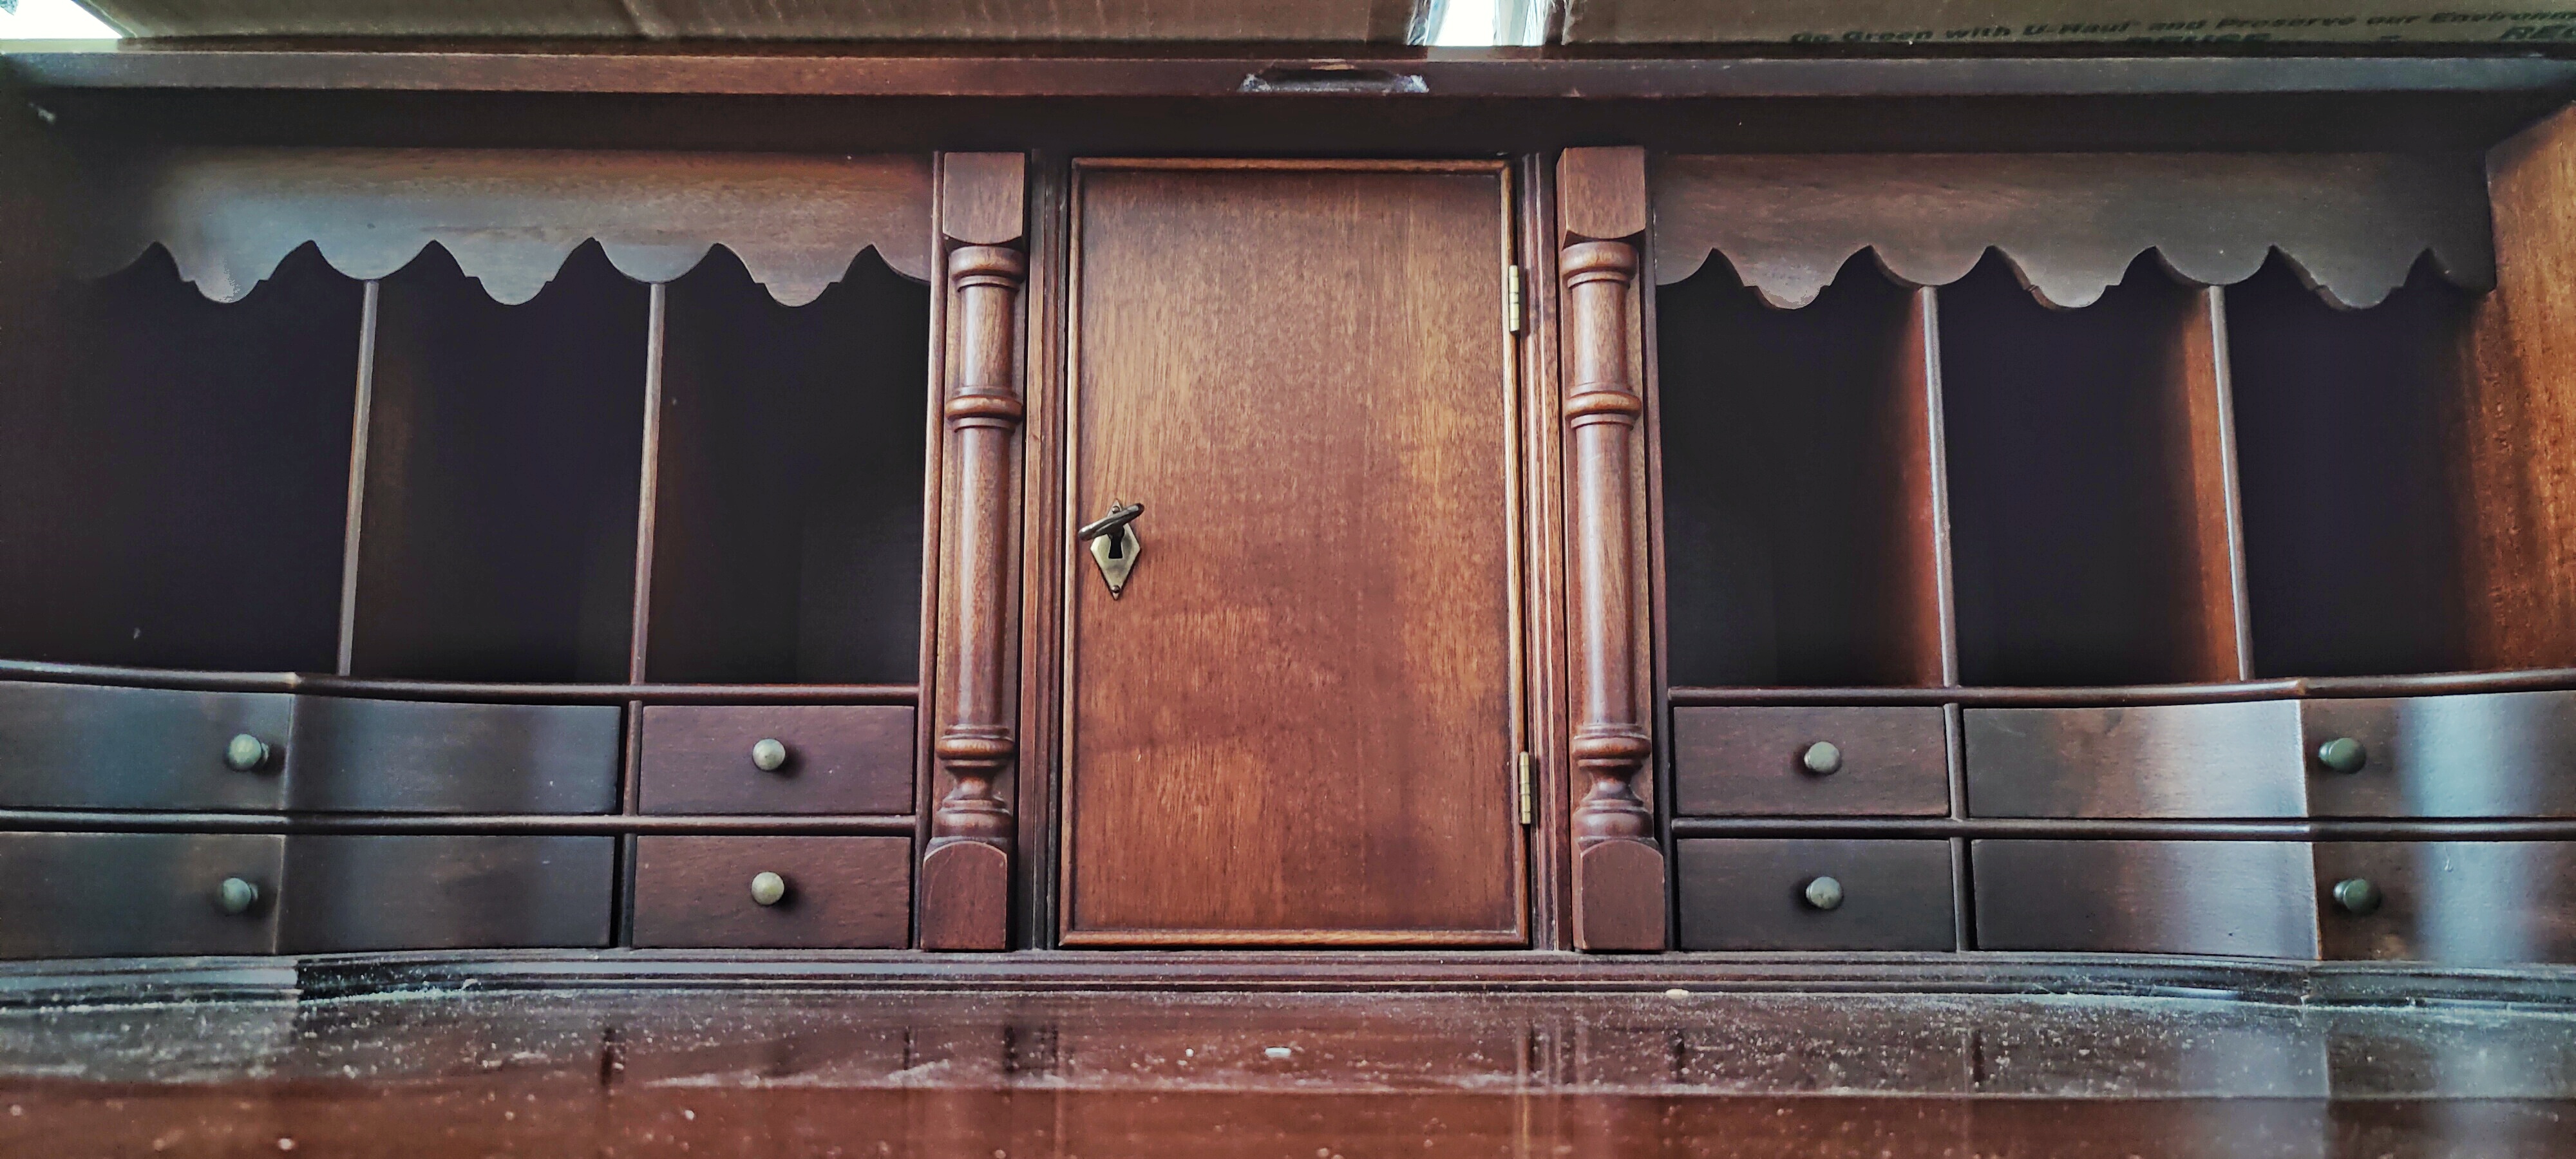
(965, 891)
(1618, 864)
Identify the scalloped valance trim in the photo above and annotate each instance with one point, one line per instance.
(2353, 225)
(510, 218)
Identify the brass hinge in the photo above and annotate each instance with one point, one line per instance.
(1512, 294)
(1528, 766)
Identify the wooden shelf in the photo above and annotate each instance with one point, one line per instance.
(1798, 453)
(182, 483)
(2083, 458)
(503, 466)
(788, 528)
(2343, 420)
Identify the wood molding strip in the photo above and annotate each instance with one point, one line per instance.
(1147, 70)
(2288, 688)
(1619, 879)
(467, 692)
(2135, 829)
(103, 821)
(510, 217)
(2071, 224)
(966, 869)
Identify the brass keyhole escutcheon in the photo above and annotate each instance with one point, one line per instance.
(1114, 545)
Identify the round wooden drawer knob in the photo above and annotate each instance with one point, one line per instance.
(769, 756)
(245, 753)
(1823, 758)
(2343, 754)
(768, 888)
(1824, 893)
(236, 896)
(2356, 895)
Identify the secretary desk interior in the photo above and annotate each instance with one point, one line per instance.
(608, 500)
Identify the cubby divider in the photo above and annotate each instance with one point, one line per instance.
(180, 485)
(498, 534)
(2353, 553)
(787, 542)
(1800, 524)
(2092, 509)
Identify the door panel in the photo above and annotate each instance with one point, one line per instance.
(1296, 726)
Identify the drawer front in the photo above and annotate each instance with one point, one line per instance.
(834, 759)
(446, 893)
(2186, 760)
(1766, 762)
(2470, 902)
(849, 892)
(2504, 754)
(2243, 898)
(66, 746)
(96, 895)
(401, 756)
(1767, 895)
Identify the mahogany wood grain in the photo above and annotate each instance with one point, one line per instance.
(64, 746)
(698, 759)
(1601, 192)
(2488, 903)
(468, 692)
(1603, 400)
(400, 756)
(787, 544)
(2248, 898)
(2201, 414)
(2183, 760)
(85, 895)
(1926, 537)
(1331, 21)
(1751, 895)
(965, 892)
(936, 503)
(1745, 762)
(349, 893)
(2087, 484)
(2513, 414)
(1544, 635)
(983, 197)
(353, 514)
(1800, 539)
(2073, 220)
(500, 521)
(2500, 754)
(1296, 726)
(2487, 96)
(2348, 448)
(578, 824)
(853, 892)
(1044, 518)
(510, 217)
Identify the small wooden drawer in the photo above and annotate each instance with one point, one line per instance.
(2469, 902)
(831, 759)
(2183, 760)
(851, 892)
(2500, 754)
(68, 746)
(96, 895)
(348, 893)
(403, 756)
(1819, 762)
(1816, 894)
(2240, 898)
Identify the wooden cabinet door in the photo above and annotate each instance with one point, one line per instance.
(1297, 725)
